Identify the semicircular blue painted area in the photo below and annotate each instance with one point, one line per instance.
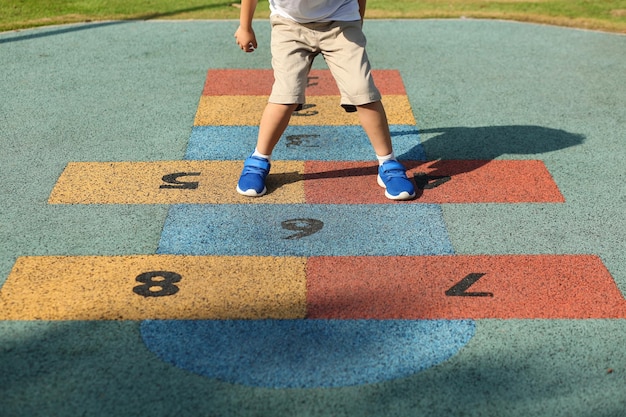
(306, 353)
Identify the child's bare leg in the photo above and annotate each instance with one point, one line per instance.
(391, 173)
(374, 121)
(274, 121)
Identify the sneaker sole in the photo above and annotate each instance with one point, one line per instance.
(251, 192)
(402, 196)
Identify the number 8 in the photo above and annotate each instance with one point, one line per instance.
(166, 284)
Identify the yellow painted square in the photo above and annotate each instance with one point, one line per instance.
(148, 183)
(319, 110)
(108, 288)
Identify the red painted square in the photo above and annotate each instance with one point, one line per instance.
(446, 181)
(508, 287)
(238, 82)
(258, 82)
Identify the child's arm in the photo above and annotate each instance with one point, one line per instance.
(246, 39)
(362, 4)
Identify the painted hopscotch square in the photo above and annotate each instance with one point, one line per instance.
(462, 287)
(238, 110)
(441, 182)
(296, 182)
(258, 82)
(170, 182)
(143, 287)
(305, 230)
(300, 143)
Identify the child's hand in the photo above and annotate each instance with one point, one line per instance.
(246, 39)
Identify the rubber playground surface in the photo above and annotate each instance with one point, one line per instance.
(134, 281)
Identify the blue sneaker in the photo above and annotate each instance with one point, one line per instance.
(252, 180)
(392, 177)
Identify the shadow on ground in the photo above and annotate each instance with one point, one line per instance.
(491, 142)
(103, 368)
(479, 144)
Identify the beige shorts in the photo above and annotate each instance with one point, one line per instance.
(342, 44)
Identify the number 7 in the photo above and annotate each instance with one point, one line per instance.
(460, 288)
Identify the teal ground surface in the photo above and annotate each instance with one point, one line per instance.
(128, 91)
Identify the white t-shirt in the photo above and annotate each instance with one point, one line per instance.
(305, 11)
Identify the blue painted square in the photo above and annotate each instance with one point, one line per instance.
(305, 230)
(321, 143)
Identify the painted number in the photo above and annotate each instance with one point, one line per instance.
(304, 227)
(306, 141)
(460, 288)
(157, 284)
(310, 81)
(428, 182)
(172, 181)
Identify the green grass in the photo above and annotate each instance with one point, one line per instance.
(606, 15)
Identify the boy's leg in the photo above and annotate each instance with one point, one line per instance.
(391, 173)
(344, 51)
(374, 121)
(291, 61)
(274, 121)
